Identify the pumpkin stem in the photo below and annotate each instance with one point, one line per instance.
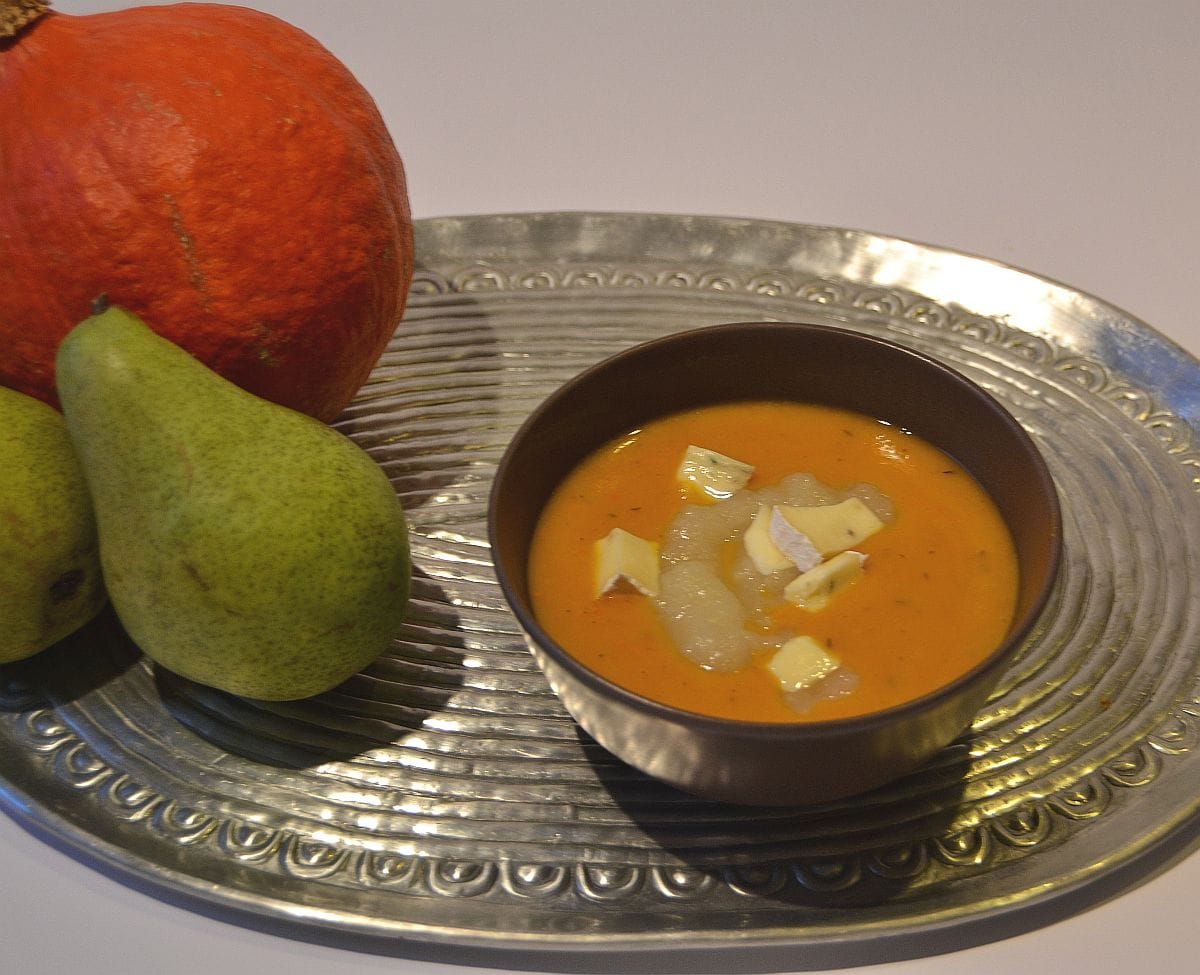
(15, 14)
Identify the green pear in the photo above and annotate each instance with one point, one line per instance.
(50, 582)
(244, 546)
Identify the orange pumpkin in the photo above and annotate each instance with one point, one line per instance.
(215, 171)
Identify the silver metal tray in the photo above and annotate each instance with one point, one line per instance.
(443, 797)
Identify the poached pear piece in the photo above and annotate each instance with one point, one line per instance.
(50, 580)
(244, 546)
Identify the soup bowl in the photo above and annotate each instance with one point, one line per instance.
(773, 763)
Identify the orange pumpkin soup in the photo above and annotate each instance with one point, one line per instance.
(934, 596)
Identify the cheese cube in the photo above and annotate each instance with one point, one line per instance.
(793, 543)
(802, 662)
(622, 556)
(833, 527)
(711, 473)
(813, 589)
(764, 553)
(774, 544)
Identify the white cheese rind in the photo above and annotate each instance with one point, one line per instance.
(623, 556)
(774, 544)
(712, 473)
(833, 528)
(813, 589)
(793, 543)
(802, 662)
(766, 556)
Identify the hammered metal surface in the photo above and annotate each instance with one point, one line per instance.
(444, 795)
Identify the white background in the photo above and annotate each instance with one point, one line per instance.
(1063, 138)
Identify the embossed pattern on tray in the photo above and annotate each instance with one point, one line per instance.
(444, 794)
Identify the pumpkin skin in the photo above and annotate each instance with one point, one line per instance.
(217, 172)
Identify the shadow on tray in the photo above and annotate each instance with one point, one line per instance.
(384, 702)
(77, 665)
(857, 852)
(387, 700)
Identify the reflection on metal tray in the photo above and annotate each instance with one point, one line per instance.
(444, 796)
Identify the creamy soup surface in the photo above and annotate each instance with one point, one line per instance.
(935, 594)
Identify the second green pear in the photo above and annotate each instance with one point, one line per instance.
(244, 546)
(50, 582)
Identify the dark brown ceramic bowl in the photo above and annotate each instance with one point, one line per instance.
(751, 762)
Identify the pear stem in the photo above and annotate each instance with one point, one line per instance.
(100, 304)
(15, 14)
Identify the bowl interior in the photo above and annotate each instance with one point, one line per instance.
(778, 361)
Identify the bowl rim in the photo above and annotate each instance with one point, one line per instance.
(1000, 656)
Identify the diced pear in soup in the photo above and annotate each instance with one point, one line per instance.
(813, 589)
(712, 473)
(703, 617)
(774, 544)
(833, 527)
(802, 662)
(622, 556)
